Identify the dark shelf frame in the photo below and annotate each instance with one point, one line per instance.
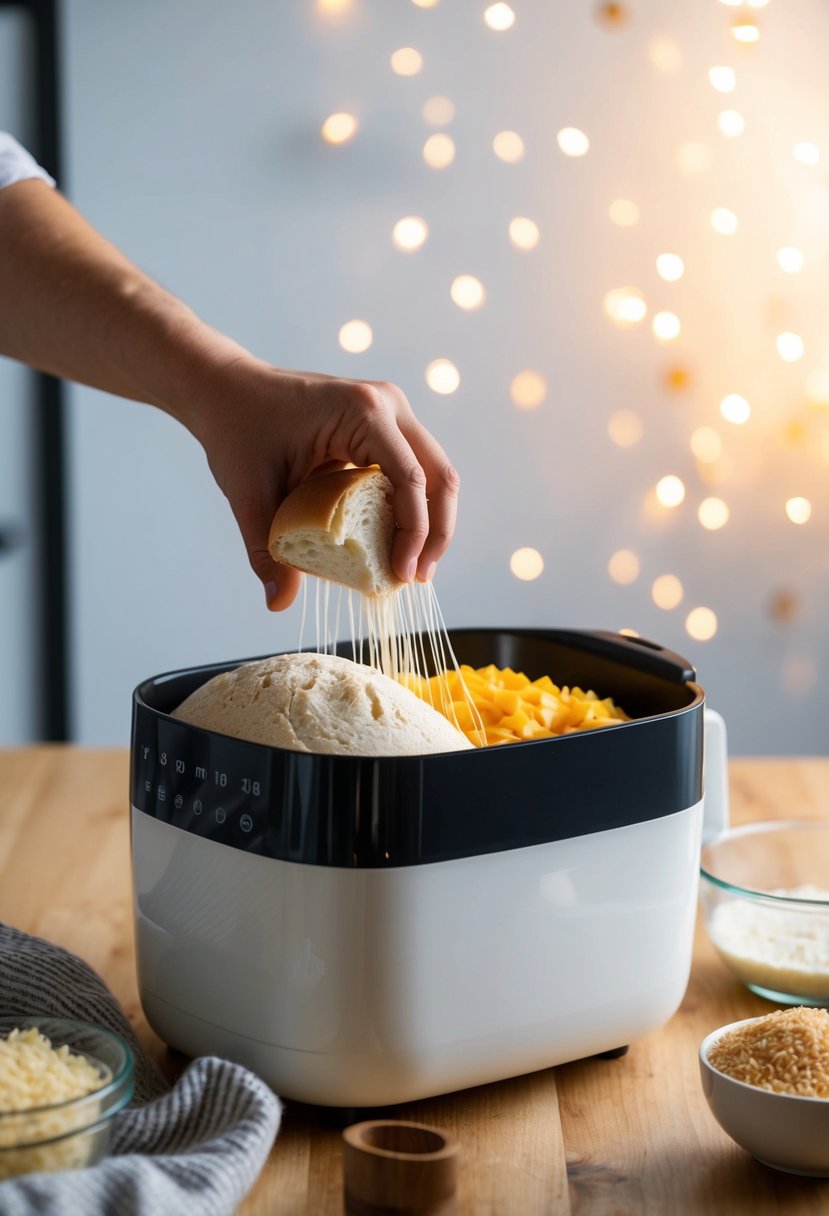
(50, 472)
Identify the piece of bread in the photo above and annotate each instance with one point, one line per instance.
(339, 526)
(320, 703)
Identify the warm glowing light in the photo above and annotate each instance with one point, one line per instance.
(333, 6)
(706, 444)
(790, 259)
(625, 428)
(407, 61)
(426, 3)
(670, 267)
(438, 111)
(612, 14)
(677, 379)
(623, 566)
(666, 326)
(410, 232)
(817, 386)
(723, 221)
(667, 591)
(355, 336)
(625, 305)
(731, 123)
(523, 232)
(526, 564)
(442, 376)
(745, 31)
(798, 510)
(790, 347)
(713, 513)
(735, 408)
(339, 128)
(807, 154)
(670, 491)
(665, 56)
(528, 390)
(508, 146)
(499, 17)
(693, 158)
(624, 213)
(724, 80)
(467, 292)
(439, 151)
(572, 141)
(701, 624)
(630, 633)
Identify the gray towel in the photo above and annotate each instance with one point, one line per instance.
(195, 1149)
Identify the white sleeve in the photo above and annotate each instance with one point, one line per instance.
(17, 165)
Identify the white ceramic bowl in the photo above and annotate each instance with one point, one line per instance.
(784, 1131)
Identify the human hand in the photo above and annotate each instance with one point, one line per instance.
(265, 430)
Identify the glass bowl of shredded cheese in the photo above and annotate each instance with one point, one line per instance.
(61, 1083)
(766, 1081)
(764, 892)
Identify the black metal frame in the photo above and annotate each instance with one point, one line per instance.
(50, 440)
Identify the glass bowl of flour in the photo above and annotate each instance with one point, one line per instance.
(764, 890)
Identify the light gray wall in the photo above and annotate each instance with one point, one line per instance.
(193, 142)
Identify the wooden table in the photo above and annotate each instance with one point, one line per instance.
(599, 1137)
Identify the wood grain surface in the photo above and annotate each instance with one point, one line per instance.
(594, 1138)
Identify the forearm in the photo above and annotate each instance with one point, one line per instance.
(73, 305)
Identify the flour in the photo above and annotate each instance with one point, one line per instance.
(783, 949)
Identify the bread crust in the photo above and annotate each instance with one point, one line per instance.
(314, 503)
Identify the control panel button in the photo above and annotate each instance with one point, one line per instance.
(246, 823)
(220, 814)
(179, 802)
(197, 806)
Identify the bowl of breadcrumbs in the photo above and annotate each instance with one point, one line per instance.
(767, 1083)
(61, 1083)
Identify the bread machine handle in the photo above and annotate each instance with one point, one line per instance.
(714, 775)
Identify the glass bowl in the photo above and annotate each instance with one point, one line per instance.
(75, 1133)
(764, 890)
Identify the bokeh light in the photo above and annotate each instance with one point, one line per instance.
(666, 326)
(467, 292)
(701, 624)
(355, 336)
(442, 376)
(735, 409)
(438, 111)
(339, 128)
(439, 151)
(706, 444)
(799, 510)
(528, 390)
(670, 490)
(526, 564)
(406, 61)
(790, 347)
(625, 305)
(670, 267)
(724, 221)
(410, 233)
(667, 591)
(623, 212)
(625, 428)
(790, 259)
(508, 146)
(426, 3)
(745, 30)
(572, 141)
(731, 123)
(723, 79)
(713, 513)
(817, 387)
(499, 17)
(693, 158)
(523, 232)
(806, 153)
(665, 55)
(623, 567)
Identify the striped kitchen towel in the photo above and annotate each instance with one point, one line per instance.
(193, 1149)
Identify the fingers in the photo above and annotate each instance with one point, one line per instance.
(281, 583)
(442, 486)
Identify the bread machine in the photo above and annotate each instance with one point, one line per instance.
(368, 931)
